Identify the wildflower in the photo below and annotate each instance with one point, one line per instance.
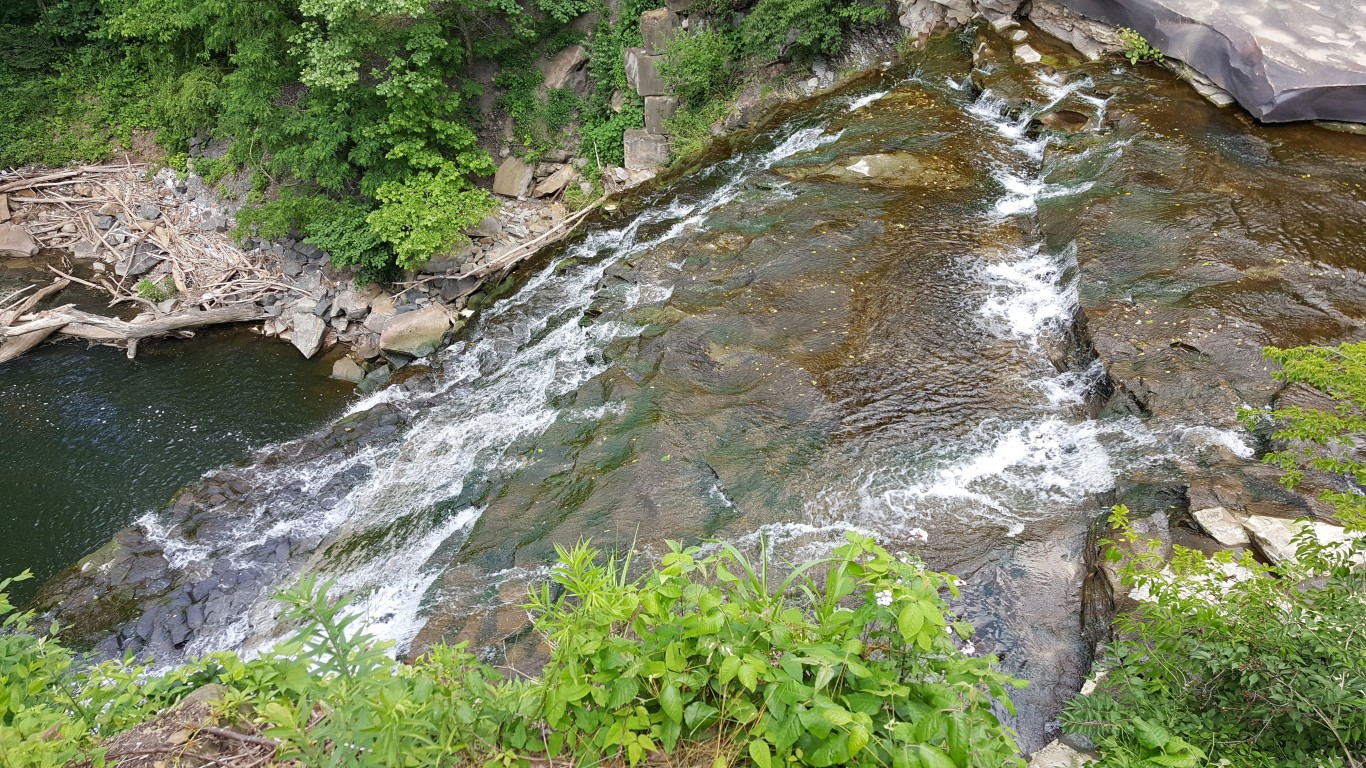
(969, 649)
(884, 598)
(919, 534)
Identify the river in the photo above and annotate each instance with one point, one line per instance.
(946, 299)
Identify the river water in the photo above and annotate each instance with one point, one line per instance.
(870, 315)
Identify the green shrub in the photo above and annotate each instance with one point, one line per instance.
(690, 129)
(817, 26)
(1233, 661)
(712, 659)
(154, 292)
(699, 66)
(1136, 47)
(427, 214)
(1323, 439)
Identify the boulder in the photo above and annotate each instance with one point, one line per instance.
(1026, 54)
(354, 305)
(309, 330)
(659, 109)
(568, 69)
(657, 27)
(416, 334)
(556, 182)
(1059, 755)
(1221, 526)
(16, 243)
(1275, 536)
(513, 178)
(678, 6)
(347, 369)
(139, 262)
(645, 150)
(489, 226)
(1282, 61)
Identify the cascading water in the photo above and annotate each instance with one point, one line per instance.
(871, 318)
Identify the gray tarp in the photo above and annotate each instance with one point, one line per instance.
(1281, 59)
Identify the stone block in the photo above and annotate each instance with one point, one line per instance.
(513, 178)
(658, 109)
(657, 27)
(678, 6)
(645, 150)
(642, 73)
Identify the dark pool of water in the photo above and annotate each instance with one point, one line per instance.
(91, 440)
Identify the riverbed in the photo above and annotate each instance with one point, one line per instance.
(961, 297)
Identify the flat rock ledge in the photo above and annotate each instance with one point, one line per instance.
(1283, 60)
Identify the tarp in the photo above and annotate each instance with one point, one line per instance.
(1281, 59)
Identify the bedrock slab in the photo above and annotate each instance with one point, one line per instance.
(1282, 60)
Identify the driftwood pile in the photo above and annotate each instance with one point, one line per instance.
(115, 216)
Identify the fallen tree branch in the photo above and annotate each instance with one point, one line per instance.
(10, 315)
(108, 330)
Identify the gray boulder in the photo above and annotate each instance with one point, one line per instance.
(15, 242)
(1281, 61)
(347, 369)
(555, 182)
(513, 178)
(642, 72)
(416, 334)
(309, 330)
(568, 69)
(490, 226)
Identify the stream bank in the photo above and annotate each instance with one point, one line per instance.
(962, 299)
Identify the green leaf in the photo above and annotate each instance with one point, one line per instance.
(858, 738)
(729, 667)
(1150, 735)
(760, 753)
(932, 757)
(671, 701)
(910, 621)
(749, 676)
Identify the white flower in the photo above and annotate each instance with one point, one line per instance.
(884, 598)
(969, 648)
(919, 534)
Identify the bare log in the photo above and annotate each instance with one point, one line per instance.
(13, 347)
(9, 316)
(109, 330)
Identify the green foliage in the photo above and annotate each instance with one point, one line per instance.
(1326, 439)
(427, 213)
(1136, 47)
(155, 292)
(1233, 661)
(699, 66)
(690, 129)
(847, 661)
(817, 26)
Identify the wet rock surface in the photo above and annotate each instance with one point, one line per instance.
(1283, 61)
(136, 596)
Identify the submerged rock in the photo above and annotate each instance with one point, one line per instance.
(892, 169)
